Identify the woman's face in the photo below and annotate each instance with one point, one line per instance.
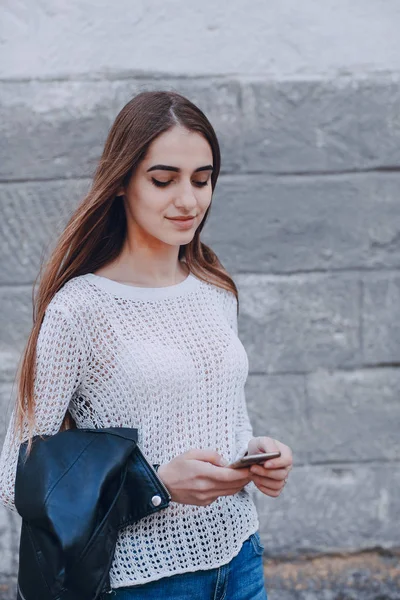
(174, 180)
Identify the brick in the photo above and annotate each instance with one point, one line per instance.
(9, 541)
(321, 125)
(58, 129)
(9, 521)
(277, 408)
(54, 129)
(15, 326)
(381, 318)
(289, 224)
(350, 222)
(354, 416)
(333, 508)
(7, 403)
(33, 215)
(299, 323)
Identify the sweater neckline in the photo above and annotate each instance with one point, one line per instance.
(126, 290)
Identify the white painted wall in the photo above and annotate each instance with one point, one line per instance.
(284, 38)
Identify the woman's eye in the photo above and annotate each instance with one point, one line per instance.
(160, 183)
(200, 183)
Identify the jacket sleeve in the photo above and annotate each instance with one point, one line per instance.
(60, 368)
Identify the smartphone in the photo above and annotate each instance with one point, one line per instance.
(253, 459)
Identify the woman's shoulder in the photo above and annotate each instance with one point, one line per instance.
(74, 299)
(225, 298)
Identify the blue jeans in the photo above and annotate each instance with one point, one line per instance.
(240, 579)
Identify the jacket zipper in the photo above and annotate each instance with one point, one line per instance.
(155, 473)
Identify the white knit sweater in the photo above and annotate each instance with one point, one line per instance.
(168, 361)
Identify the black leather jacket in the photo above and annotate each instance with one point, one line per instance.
(74, 492)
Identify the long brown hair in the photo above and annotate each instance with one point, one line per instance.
(95, 233)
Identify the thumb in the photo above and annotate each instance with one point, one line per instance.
(211, 456)
(262, 444)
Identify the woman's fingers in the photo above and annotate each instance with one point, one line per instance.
(269, 492)
(284, 461)
(277, 474)
(267, 444)
(269, 483)
(271, 476)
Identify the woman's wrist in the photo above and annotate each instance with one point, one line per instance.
(161, 475)
(160, 472)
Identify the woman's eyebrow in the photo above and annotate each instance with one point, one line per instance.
(177, 169)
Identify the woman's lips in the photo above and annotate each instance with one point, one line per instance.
(182, 223)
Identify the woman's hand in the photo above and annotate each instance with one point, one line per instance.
(200, 477)
(270, 477)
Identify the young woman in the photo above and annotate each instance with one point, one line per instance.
(136, 326)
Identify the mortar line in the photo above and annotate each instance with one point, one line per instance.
(310, 555)
(330, 370)
(325, 77)
(279, 275)
(60, 179)
(272, 175)
(339, 463)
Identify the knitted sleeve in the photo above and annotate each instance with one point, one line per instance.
(244, 428)
(60, 367)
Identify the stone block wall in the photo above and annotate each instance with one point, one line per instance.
(306, 217)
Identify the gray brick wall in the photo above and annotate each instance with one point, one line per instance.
(306, 217)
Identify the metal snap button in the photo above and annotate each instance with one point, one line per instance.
(156, 500)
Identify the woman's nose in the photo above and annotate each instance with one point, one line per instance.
(186, 197)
